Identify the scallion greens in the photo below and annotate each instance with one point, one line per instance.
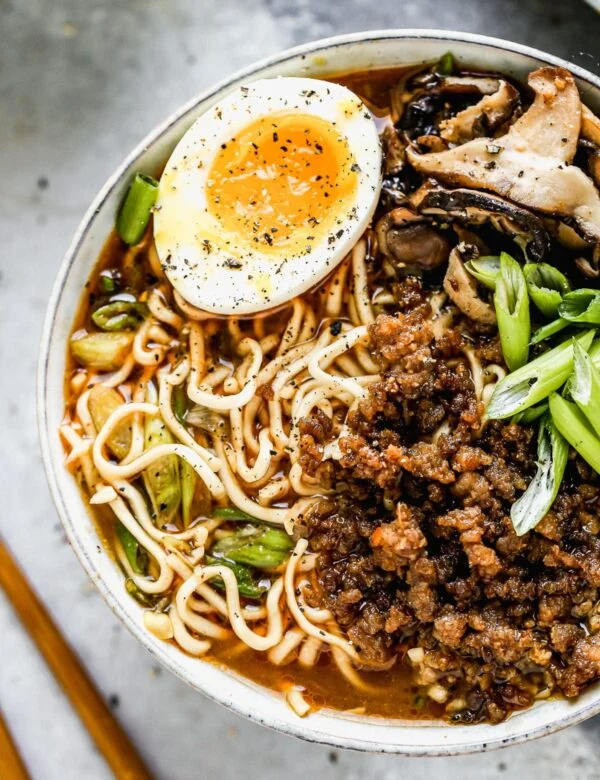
(512, 311)
(485, 269)
(137, 207)
(535, 502)
(581, 306)
(575, 427)
(534, 381)
(546, 286)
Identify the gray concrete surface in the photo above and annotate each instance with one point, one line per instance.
(81, 81)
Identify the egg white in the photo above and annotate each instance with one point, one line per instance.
(187, 234)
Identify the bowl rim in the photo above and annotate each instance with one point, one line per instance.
(300, 728)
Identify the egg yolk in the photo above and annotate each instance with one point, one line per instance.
(283, 183)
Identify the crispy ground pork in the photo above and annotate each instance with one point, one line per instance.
(418, 559)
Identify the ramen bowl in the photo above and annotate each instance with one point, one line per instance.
(360, 51)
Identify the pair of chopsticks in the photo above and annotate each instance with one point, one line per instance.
(115, 745)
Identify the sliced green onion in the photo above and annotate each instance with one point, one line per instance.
(134, 552)
(549, 330)
(161, 478)
(248, 586)
(594, 353)
(258, 546)
(536, 380)
(188, 479)
(546, 286)
(231, 513)
(137, 207)
(552, 456)
(530, 415)
(584, 386)
(102, 351)
(180, 403)
(581, 306)
(574, 426)
(102, 402)
(108, 282)
(512, 310)
(120, 315)
(145, 599)
(485, 269)
(445, 65)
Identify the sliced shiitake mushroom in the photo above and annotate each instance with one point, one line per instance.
(530, 164)
(590, 267)
(483, 118)
(590, 125)
(472, 207)
(393, 150)
(462, 288)
(440, 105)
(410, 241)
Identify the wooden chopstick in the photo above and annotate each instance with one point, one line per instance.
(118, 750)
(10, 759)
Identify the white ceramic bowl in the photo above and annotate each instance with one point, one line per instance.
(352, 52)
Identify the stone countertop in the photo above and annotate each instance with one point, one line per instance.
(80, 84)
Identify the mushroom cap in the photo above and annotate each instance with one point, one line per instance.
(472, 207)
(530, 163)
(483, 118)
(411, 241)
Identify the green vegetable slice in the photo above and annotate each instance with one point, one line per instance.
(120, 315)
(102, 402)
(536, 380)
(445, 65)
(552, 455)
(162, 477)
(136, 209)
(581, 306)
(108, 283)
(188, 488)
(575, 427)
(231, 513)
(180, 403)
(512, 310)
(261, 547)
(530, 415)
(546, 286)
(248, 585)
(134, 552)
(584, 386)
(485, 269)
(102, 351)
(145, 599)
(549, 330)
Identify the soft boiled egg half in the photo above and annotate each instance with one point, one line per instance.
(266, 193)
